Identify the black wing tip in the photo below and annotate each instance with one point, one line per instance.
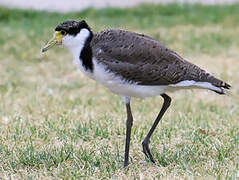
(226, 86)
(222, 87)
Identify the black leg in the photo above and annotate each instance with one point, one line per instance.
(129, 124)
(145, 143)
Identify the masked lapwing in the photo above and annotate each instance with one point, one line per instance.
(132, 65)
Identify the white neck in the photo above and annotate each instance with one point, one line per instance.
(76, 43)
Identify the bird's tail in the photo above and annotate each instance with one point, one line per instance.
(216, 85)
(222, 88)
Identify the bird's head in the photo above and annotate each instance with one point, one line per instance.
(70, 34)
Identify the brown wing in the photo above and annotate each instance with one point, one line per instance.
(142, 59)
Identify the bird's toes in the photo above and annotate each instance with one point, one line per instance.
(147, 152)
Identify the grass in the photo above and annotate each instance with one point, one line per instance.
(57, 124)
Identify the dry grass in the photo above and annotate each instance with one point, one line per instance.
(55, 123)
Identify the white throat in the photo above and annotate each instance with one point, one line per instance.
(76, 43)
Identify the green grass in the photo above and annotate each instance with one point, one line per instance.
(56, 123)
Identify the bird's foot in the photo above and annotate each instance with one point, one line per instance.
(146, 150)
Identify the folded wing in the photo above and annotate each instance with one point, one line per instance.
(145, 61)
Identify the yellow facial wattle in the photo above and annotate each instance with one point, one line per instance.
(57, 39)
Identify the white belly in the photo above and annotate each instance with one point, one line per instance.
(139, 91)
(118, 85)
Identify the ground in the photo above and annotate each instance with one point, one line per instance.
(55, 123)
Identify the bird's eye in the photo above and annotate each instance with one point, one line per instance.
(63, 32)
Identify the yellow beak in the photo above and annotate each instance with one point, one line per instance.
(57, 39)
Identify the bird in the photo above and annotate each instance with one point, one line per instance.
(132, 65)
